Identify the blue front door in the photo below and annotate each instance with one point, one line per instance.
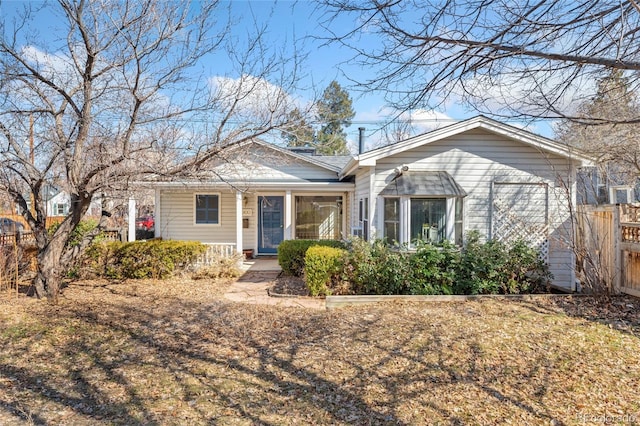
(270, 223)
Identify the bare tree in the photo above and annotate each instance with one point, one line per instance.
(527, 59)
(118, 95)
(396, 131)
(614, 146)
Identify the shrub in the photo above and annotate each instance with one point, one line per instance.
(221, 267)
(528, 271)
(83, 228)
(480, 268)
(291, 253)
(433, 268)
(376, 268)
(494, 267)
(142, 259)
(322, 266)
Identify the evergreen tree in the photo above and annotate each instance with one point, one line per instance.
(334, 112)
(299, 132)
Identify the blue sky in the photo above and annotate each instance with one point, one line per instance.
(299, 20)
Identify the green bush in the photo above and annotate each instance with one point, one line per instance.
(480, 268)
(376, 268)
(433, 268)
(142, 259)
(322, 266)
(291, 253)
(83, 228)
(493, 267)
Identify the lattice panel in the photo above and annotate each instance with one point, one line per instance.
(509, 227)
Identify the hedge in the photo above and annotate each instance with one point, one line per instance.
(322, 266)
(291, 254)
(142, 259)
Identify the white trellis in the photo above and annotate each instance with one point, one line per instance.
(519, 211)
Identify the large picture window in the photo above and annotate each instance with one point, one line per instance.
(318, 217)
(428, 219)
(208, 209)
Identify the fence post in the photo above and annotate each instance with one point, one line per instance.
(617, 251)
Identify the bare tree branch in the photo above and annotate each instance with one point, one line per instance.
(531, 59)
(117, 96)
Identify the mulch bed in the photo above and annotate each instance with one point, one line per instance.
(288, 285)
(176, 352)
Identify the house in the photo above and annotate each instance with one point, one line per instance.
(57, 202)
(607, 184)
(477, 174)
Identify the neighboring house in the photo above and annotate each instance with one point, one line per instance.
(477, 174)
(58, 202)
(605, 185)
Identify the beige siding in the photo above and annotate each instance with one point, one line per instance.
(178, 217)
(177, 221)
(250, 235)
(477, 158)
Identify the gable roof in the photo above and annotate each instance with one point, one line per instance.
(323, 169)
(324, 161)
(370, 158)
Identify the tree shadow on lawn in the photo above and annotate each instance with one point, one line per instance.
(142, 358)
(202, 363)
(621, 312)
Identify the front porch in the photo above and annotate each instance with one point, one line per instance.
(257, 219)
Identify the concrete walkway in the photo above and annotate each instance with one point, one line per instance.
(253, 284)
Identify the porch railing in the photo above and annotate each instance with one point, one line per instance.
(214, 252)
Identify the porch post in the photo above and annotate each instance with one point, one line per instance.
(131, 229)
(157, 214)
(239, 222)
(288, 235)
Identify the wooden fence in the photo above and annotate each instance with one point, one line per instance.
(608, 247)
(27, 238)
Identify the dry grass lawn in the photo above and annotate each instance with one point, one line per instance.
(145, 352)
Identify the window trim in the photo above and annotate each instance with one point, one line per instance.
(451, 221)
(429, 198)
(397, 221)
(294, 213)
(365, 218)
(60, 206)
(195, 199)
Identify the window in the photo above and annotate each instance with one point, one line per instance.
(392, 219)
(60, 209)
(318, 217)
(208, 209)
(428, 219)
(365, 219)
